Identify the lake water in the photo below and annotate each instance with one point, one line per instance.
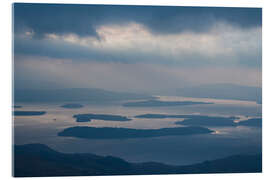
(178, 150)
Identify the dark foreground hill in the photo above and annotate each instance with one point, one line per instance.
(33, 160)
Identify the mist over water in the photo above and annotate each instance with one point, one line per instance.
(134, 83)
(180, 150)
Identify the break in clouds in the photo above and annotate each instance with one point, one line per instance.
(135, 48)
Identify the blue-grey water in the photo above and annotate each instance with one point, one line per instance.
(179, 150)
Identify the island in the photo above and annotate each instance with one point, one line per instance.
(208, 121)
(125, 133)
(157, 103)
(28, 113)
(105, 117)
(72, 106)
(17, 106)
(163, 116)
(195, 120)
(38, 160)
(255, 122)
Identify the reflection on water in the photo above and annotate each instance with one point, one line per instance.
(223, 142)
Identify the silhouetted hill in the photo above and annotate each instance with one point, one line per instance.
(76, 94)
(36, 160)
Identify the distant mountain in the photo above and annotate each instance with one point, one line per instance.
(37, 160)
(74, 95)
(223, 91)
(156, 103)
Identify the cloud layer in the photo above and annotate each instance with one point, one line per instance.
(83, 20)
(221, 45)
(139, 48)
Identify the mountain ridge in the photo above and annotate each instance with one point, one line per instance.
(38, 160)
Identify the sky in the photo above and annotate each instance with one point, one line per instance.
(135, 48)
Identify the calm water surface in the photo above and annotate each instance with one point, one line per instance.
(170, 149)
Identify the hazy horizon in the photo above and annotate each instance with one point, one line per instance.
(122, 86)
(116, 48)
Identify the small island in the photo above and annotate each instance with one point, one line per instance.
(125, 133)
(105, 117)
(17, 106)
(157, 103)
(195, 120)
(72, 106)
(208, 121)
(163, 116)
(28, 113)
(255, 122)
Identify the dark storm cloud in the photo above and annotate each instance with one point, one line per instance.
(84, 19)
(56, 49)
(51, 19)
(64, 50)
(136, 48)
